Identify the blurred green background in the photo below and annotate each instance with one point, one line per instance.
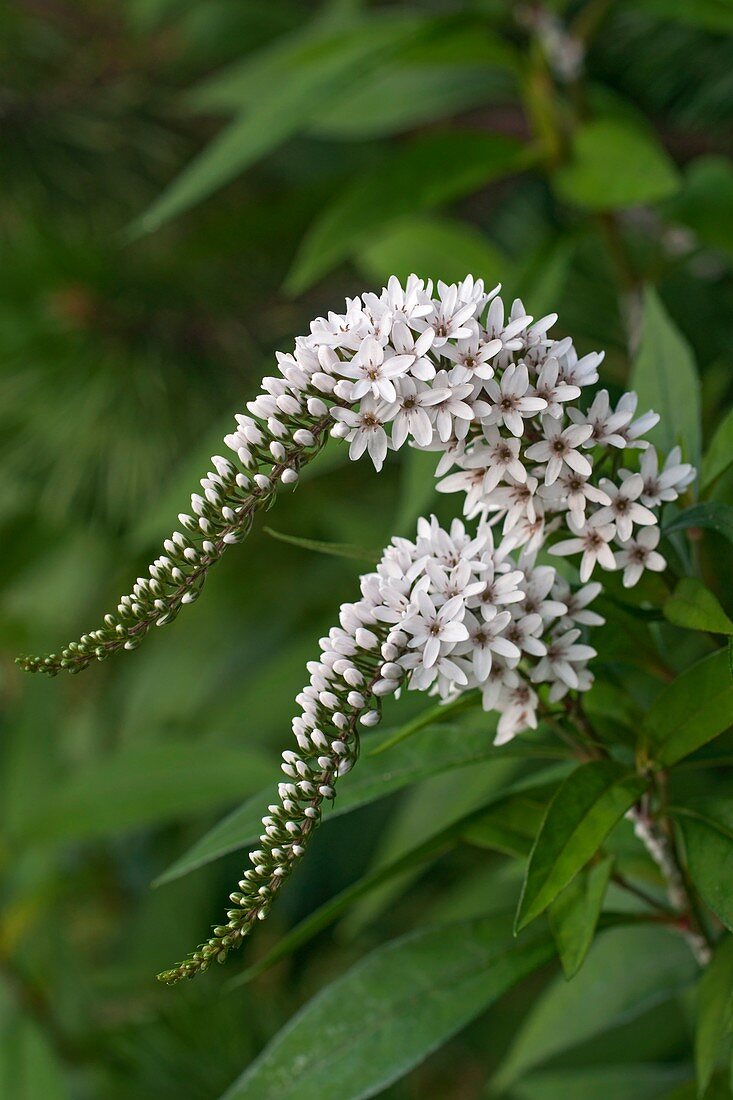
(184, 186)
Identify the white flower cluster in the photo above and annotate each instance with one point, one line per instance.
(467, 614)
(499, 398)
(542, 468)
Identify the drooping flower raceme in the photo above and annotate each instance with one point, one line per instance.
(475, 607)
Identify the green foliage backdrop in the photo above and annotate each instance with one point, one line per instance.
(184, 185)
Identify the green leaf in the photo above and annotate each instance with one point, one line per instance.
(694, 607)
(713, 516)
(448, 68)
(706, 200)
(293, 97)
(440, 841)
(402, 97)
(431, 716)
(628, 970)
(707, 830)
(574, 914)
(430, 171)
(614, 163)
(511, 823)
(335, 549)
(718, 1089)
(690, 711)
(436, 248)
(665, 377)
(719, 455)
(144, 786)
(30, 1067)
(714, 1012)
(645, 1081)
(437, 750)
(384, 1016)
(712, 15)
(579, 818)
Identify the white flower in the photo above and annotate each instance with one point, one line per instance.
(429, 626)
(563, 653)
(365, 430)
(511, 400)
(450, 316)
(538, 583)
(509, 333)
(484, 467)
(409, 303)
(408, 412)
(458, 581)
(592, 541)
(559, 449)
(497, 684)
(640, 554)
(576, 605)
(515, 500)
(374, 373)
(605, 424)
(623, 507)
(484, 639)
(524, 632)
(470, 482)
(519, 713)
(632, 432)
(404, 343)
(473, 354)
(661, 487)
(341, 330)
(532, 533)
(575, 371)
(498, 590)
(573, 491)
(559, 689)
(452, 415)
(550, 389)
(500, 457)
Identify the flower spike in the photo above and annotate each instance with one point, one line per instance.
(469, 607)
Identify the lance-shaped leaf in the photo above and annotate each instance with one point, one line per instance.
(574, 914)
(626, 1081)
(294, 95)
(615, 163)
(695, 607)
(433, 245)
(138, 787)
(579, 818)
(665, 378)
(627, 972)
(436, 750)
(707, 829)
(713, 516)
(384, 1016)
(714, 1012)
(691, 711)
(719, 455)
(430, 172)
(526, 796)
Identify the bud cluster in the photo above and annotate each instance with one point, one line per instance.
(447, 613)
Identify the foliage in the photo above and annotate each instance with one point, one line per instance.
(186, 185)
